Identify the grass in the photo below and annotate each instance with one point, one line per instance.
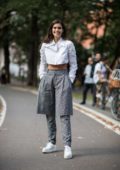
(78, 95)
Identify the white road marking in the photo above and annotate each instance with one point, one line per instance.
(109, 123)
(4, 109)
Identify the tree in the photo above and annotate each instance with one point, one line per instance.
(5, 36)
(31, 20)
(35, 17)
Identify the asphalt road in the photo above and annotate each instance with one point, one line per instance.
(24, 133)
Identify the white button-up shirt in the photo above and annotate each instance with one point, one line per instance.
(87, 73)
(101, 69)
(97, 69)
(62, 52)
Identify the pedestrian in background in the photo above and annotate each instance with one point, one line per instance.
(101, 80)
(55, 91)
(3, 76)
(96, 59)
(88, 82)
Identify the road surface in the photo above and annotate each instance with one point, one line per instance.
(24, 133)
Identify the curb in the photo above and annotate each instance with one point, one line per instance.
(4, 109)
(99, 117)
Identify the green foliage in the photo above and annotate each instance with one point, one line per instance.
(73, 13)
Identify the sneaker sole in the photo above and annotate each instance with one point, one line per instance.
(49, 151)
(70, 157)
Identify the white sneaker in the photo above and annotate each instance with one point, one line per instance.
(49, 148)
(67, 152)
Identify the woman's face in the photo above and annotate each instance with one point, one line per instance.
(57, 31)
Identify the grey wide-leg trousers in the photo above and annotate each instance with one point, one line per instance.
(58, 85)
(65, 126)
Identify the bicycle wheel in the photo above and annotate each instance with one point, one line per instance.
(115, 105)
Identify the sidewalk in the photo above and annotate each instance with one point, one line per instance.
(77, 98)
(103, 116)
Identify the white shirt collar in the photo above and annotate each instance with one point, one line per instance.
(53, 43)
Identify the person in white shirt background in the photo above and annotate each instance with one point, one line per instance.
(55, 90)
(101, 79)
(96, 59)
(88, 82)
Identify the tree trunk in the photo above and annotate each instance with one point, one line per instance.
(33, 56)
(6, 61)
(6, 49)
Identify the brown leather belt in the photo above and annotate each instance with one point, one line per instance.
(57, 67)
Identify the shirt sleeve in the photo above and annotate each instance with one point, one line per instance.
(43, 63)
(72, 61)
(96, 71)
(98, 68)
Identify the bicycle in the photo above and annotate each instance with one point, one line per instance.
(115, 87)
(115, 104)
(112, 94)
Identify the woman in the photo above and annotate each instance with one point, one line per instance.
(55, 91)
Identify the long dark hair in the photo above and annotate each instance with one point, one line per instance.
(49, 37)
